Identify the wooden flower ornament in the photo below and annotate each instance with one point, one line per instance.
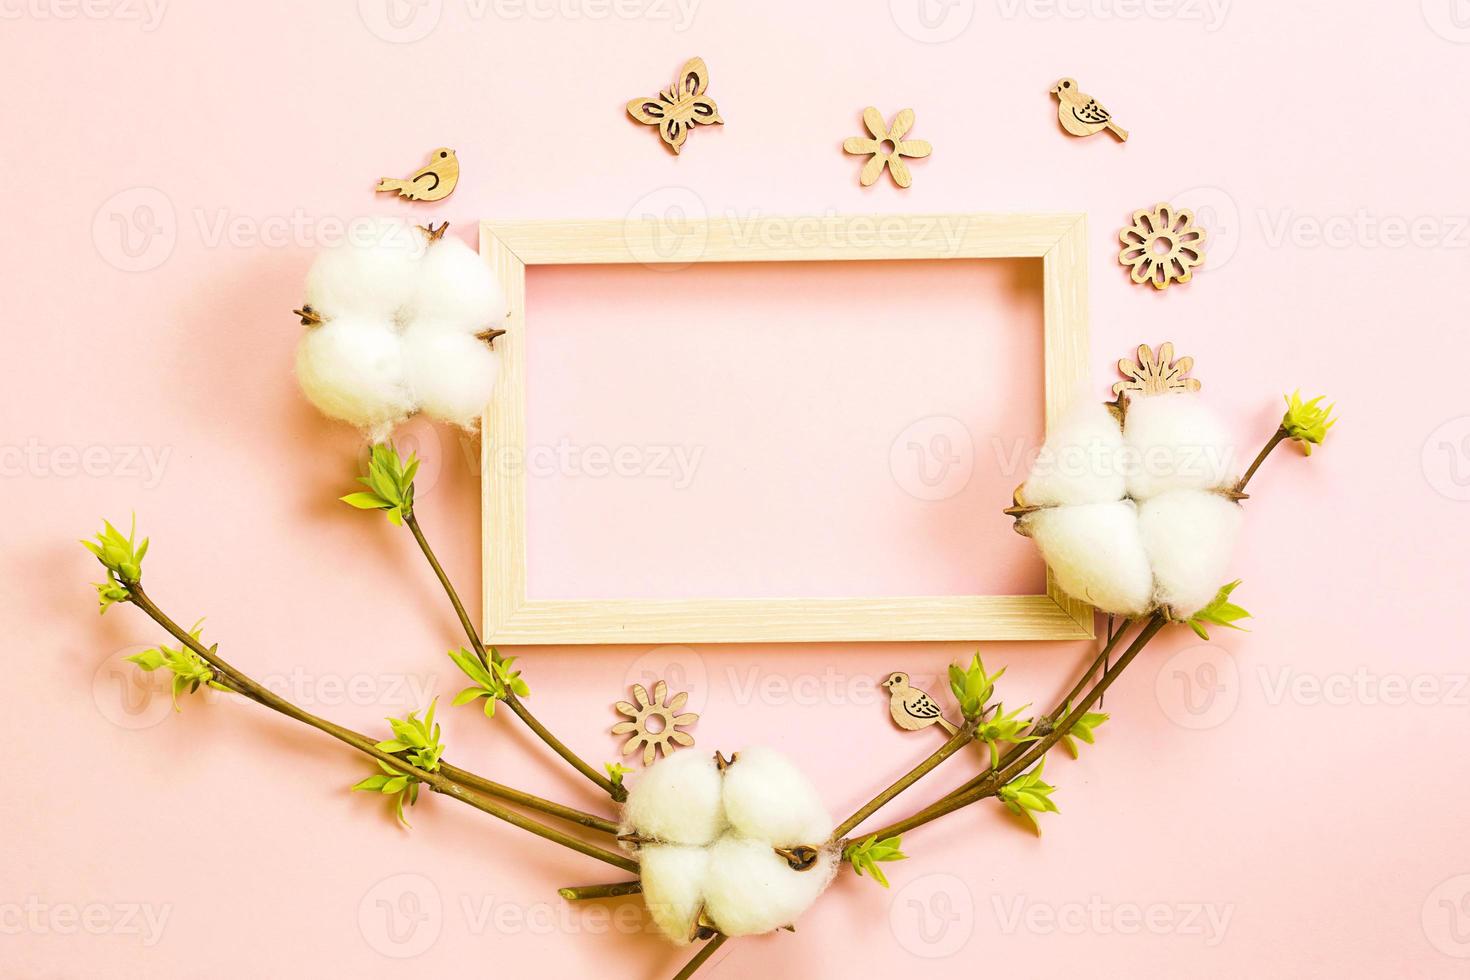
(887, 146)
(1162, 246)
(680, 107)
(654, 723)
(1156, 374)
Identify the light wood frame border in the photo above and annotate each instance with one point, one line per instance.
(1059, 240)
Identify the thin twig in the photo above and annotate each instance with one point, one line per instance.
(612, 789)
(700, 957)
(438, 782)
(1276, 439)
(956, 741)
(502, 792)
(991, 783)
(1045, 723)
(618, 889)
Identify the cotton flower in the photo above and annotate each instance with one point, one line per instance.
(1140, 516)
(720, 843)
(394, 323)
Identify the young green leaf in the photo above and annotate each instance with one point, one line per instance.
(866, 855)
(616, 772)
(390, 484)
(1027, 795)
(488, 684)
(1004, 728)
(1082, 729)
(189, 670)
(119, 555)
(1307, 422)
(1220, 612)
(972, 686)
(416, 740)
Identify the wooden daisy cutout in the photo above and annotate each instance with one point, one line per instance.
(1156, 374)
(655, 724)
(1162, 246)
(887, 146)
(680, 107)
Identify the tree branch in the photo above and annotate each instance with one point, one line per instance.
(1276, 439)
(438, 782)
(700, 957)
(615, 890)
(612, 789)
(1047, 722)
(990, 783)
(958, 740)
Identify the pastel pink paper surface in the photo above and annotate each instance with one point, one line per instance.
(166, 190)
(784, 429)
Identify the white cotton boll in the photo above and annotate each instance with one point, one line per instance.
(673, 880)
(374, 273)
(677, 800)
(1082, 462)
(456, 289)
(1096, 554)
(351, 368)
(452, 375)
(767, 797)
(752, 890)
(1176, 442)
(1190, 537)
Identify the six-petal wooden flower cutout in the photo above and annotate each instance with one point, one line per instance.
(1156, 374)
(887, 146)
(1162, 246)
(680, 107)
(654, 723)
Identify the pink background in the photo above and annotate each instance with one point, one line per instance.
(1304, 783)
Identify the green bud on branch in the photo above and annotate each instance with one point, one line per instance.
(1027, 795)
(493, 681)
(1220, 612)
(389, 482)
(417, 741)
(1307, 422)
(189, 669)
(972, 686)
(122, 559)
(866, 855)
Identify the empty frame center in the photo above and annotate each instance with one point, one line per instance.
(780, 429)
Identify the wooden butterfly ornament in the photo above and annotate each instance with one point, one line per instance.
(681, 107)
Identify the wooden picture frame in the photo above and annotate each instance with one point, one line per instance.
(1059, 240)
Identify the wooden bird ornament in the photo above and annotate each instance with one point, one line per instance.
(1080, 114)
(680, 107)
(911, 708)
(434, 182)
